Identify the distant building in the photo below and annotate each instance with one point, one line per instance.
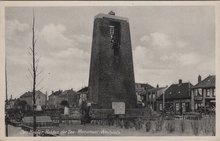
(10, 104)
(83, 93)
(54, 100)
(69, 97)
(177, 98)
(83, 90)
(141, 90)
(203, 93)
(152, 96)
(41, 98)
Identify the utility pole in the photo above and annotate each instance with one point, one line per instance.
(6, 101)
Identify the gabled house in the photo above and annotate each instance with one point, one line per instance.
(10, 104)
(141, 91)
(82, 95)
(177, 98)
(71, 97)
(203, 94)
(68, 97)
(41, 98)
(54, 99)
(152, 96)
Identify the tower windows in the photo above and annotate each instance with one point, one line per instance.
(114, 31)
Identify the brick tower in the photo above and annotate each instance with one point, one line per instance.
(111, 77)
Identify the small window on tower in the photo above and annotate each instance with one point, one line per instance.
(112, 32)
(115, 30)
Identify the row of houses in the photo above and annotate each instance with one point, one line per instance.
(180, 97)
(56, 99)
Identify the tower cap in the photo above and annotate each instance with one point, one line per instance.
(101, 15)
(111, 13)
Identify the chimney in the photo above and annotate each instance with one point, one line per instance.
(199, 78)
(180, 81)
(52, 92)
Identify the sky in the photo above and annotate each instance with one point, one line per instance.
(168, 43)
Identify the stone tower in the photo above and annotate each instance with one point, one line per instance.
(111, 77)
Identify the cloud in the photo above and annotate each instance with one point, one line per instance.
(188, 59)
(161, 55)
(54, 35)
(58, 38)
(13, 26)
(183, 59)
(181, 44)
(206, 66)
(160, 40)
(67, 68)
(142, 57)
(58, 51)
(160, 50)
(81, 38)
(16, 32)
(71, 53)
(156, 39)
(145, 38)
(66, 58)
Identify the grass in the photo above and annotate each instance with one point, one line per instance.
(158, 127)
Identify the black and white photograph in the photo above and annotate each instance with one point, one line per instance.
(109, 70)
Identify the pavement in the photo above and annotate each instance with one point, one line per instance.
(17, 132)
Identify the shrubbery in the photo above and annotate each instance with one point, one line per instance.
(182, 126)
(170, 126)
(195, 127)
(138, 124)
(159, 124)
(148, 125)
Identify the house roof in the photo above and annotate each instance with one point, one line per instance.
(56, 93)
(177, 91)
(68, 92)
(145, 85)
(207, 82)
(156, 89)
(85, 89)
(61, 93)
(11, 99)
(29, 94)
(144, 88)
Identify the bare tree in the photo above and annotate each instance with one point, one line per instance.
(34, 72)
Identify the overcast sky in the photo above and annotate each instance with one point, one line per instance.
(168, 43)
